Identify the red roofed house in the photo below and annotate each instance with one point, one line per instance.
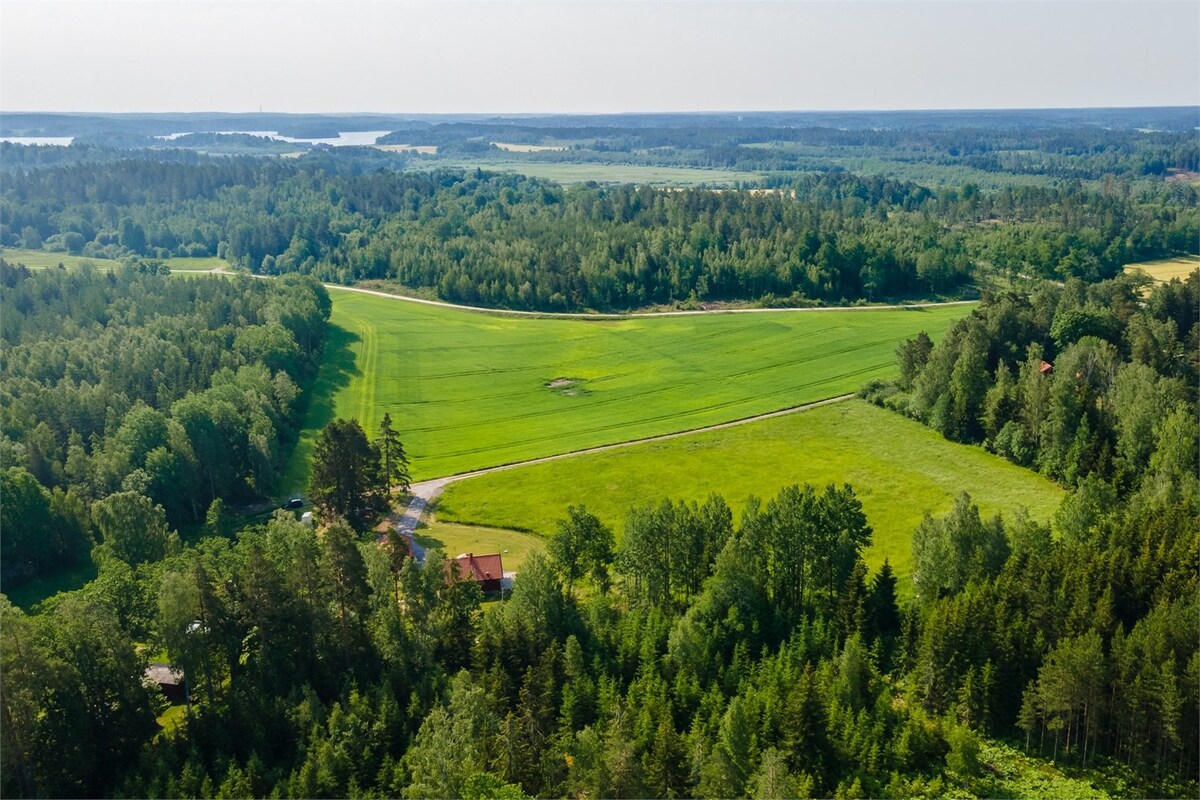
(1046, 367)
(487, 570)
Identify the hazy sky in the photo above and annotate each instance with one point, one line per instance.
(581, 56)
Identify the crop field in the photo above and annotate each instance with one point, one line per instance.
(529, 148)
(899, 469)
(468, 390)
(600, 173)
(1166, 269)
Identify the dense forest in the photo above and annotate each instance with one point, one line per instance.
(698, 655)
(701, 658)
(513, 242)
(691, 653)
(134, 401)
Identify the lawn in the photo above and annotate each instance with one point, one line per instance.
(452, 539)
(1165, 269)
(899, 469)
(468, 390)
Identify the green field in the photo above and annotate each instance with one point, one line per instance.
(43, 259)
(468, 390)
(1165, 269)
(196, 264)
(898, 468)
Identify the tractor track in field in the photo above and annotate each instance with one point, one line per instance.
(425, 493)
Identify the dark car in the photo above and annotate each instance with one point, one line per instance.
(295, 502)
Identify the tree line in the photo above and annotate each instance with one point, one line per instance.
(513, 242)
(1082, 382)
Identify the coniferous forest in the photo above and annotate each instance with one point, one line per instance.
(692, 652)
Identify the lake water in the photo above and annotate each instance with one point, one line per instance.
(343, 139)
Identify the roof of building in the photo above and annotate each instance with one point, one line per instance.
(479, 568)
(164, 674)
(1045, 367)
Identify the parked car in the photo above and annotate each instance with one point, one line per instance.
(295, 502)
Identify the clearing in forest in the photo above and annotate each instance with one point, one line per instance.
(899, 469)
(46, 259)
(469, 390)
(1165, 269)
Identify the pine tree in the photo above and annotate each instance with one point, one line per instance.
(392, 457)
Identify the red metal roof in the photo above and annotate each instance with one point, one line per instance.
(479, 568)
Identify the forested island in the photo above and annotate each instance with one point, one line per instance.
(150, 418)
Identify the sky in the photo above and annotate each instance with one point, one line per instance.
(580, 56)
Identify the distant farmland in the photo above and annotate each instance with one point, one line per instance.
(469, 390)
(899, 469)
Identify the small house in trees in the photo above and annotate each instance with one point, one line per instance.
(487, 571)
(169, 681)
(1046, 368)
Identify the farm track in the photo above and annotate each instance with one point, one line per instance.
(425, 493)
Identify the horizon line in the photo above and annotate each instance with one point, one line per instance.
(695, 112)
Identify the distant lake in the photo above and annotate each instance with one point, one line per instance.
(343, 139)
(57, 141)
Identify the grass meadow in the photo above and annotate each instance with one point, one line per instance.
(469, 390)
(899, 469)
(1165, 269)
(44, 259)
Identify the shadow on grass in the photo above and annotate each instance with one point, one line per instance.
(27, 595)
(430, 542)
(337, 368)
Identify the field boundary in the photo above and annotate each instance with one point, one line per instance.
(425, 493)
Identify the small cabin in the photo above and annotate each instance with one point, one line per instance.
(169, 680)
(1046, 368)
(485, 570)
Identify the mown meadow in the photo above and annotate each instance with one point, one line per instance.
(470, 390)
(899, 469)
